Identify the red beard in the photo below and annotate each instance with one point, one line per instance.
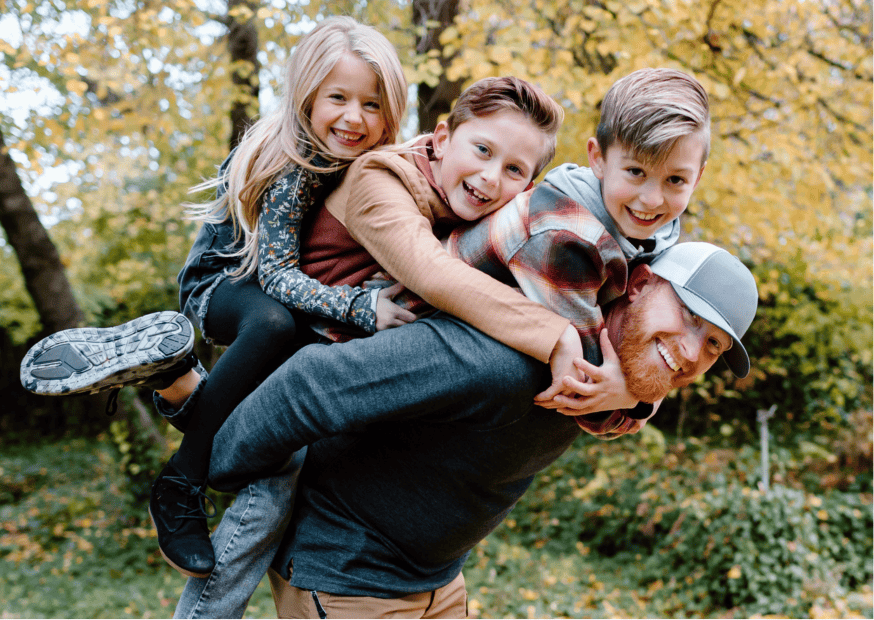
(644, 381)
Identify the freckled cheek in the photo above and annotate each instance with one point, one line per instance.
(705, 361)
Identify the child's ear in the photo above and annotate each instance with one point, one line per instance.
(440, 139)
(638, 279)
(596, 158)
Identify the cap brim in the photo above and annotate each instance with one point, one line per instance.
(736, 357)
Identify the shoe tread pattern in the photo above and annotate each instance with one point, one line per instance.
(93, 359)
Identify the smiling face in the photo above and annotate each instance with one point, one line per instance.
(641, 197)
(346, 113)
(486, 161)
(662, 345)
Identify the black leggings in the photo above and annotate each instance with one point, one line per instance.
(261, 335)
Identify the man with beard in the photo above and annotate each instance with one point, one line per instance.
(397, 489)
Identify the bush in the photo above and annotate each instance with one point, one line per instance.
(622, 495)
(140, 461)
(767, 553)
(689, 514)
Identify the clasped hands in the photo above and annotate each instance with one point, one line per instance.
(580, 388)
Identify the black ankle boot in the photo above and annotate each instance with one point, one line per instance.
(177, 510)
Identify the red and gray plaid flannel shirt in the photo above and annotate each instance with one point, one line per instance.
(554, 250)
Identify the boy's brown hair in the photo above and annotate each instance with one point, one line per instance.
(497, 94)
(648, 110)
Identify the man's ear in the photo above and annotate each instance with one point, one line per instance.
(440, 139)
(596, 158)
(638, 279)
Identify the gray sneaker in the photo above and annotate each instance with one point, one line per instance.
(92, 359)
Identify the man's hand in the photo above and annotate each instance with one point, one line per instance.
(561, 363)
(596, 388)
(388, 313)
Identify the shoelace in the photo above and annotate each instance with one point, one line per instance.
(112, 401)
(189, 488)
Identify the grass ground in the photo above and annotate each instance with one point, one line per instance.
(69, 549)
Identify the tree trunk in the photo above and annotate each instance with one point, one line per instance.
(243, 47)
(44, 275)
(434, 101)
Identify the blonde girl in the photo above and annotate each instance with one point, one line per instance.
(345, 93)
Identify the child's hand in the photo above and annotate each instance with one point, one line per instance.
(595, 388)
(561, 363)
(388, 313)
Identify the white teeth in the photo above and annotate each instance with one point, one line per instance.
(345, 135)
(644, 216)
(669, 359)
(476, 194)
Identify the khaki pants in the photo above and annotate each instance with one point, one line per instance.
(450, 601)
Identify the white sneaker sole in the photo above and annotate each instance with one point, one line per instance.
(92, 359)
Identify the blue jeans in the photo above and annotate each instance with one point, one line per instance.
(245, 543)
(247, 537)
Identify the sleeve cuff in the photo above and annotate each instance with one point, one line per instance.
(640, 412)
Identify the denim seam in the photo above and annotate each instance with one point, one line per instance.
(166, 410)
(232, 539)
(204, 305)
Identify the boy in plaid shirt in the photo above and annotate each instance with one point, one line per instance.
(568, 242)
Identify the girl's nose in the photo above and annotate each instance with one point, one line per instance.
(353, 114)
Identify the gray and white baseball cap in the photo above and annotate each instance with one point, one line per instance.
(715, 286)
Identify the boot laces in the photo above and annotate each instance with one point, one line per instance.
(198, 510)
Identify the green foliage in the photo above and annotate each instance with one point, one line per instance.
(139, 460)
(822, 331)
(70, 547)
(508, 580)
(61, 528)
(690, 514)
(64, 522)
(622, 494)
(767, 553)
(19, 317)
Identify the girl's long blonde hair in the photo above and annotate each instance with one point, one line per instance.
(285, 137)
